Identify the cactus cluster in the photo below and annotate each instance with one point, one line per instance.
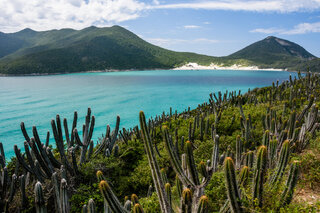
(251, 166)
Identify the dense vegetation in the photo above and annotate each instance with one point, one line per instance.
(235, 153)
(67, 50)
(88, 49)
(274, 52)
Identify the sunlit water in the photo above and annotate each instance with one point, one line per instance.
(37, 99)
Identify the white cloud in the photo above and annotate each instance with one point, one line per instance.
(169, 41)
(191, 27)
(248, 5)
(205, 40)
(51, 14)
(206, 22)
(156, 2)
(302, 28)
(55, 14)
(267, 30)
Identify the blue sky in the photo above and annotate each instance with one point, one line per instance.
(217, 28)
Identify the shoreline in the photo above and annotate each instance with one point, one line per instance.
(195, 66)
(186, 67)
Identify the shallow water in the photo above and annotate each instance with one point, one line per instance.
(37, 99)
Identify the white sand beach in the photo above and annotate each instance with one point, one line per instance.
(195, 66)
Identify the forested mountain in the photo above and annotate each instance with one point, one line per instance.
(109, 48)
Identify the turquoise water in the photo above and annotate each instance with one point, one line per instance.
(36, 100)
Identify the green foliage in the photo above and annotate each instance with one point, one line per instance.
(310, 166)
(301, 208)
(150, 204)
(130, 173)
(85, 192)
(216, 192)
(89, 49)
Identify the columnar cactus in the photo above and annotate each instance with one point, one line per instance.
(134, 199)
(168, 192)
(259, 174)
(244, 176)
(39, 199)
(24, 199)
(287, 194)
(64, 199)
(155, 171)
(281, 163)
(186, 201)
(91, 206)
(239, 150)
(203, 205)
(232, 186)
(137, 208)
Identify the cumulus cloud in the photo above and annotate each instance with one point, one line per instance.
(55, 14)
(52, 14)
(302, 28)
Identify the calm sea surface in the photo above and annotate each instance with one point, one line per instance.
(37, 99)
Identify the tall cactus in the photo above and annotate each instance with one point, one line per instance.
(64, 199)
(203, 205)
(287, 194)
(259, 174)
(155, 171)
(239, 149)
(281, 163)
(191, 164)
(91, 206)
(137, 208)
(244, 176)
(186, 201)
(39, 199)
(111, 198)
(232, 186)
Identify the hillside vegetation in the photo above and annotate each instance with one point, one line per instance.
(110, 48)
(274, 52)
(254, 152)
(88, 49)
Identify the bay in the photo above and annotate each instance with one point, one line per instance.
(36, 100)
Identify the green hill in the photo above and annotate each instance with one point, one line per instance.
(274, 52)
(88, 49)
(312, 65)
(92, 48)
(9, 44)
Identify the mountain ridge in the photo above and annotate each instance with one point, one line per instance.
(110, 48)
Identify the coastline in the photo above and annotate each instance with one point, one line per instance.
(195, 66)
(188, 67)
